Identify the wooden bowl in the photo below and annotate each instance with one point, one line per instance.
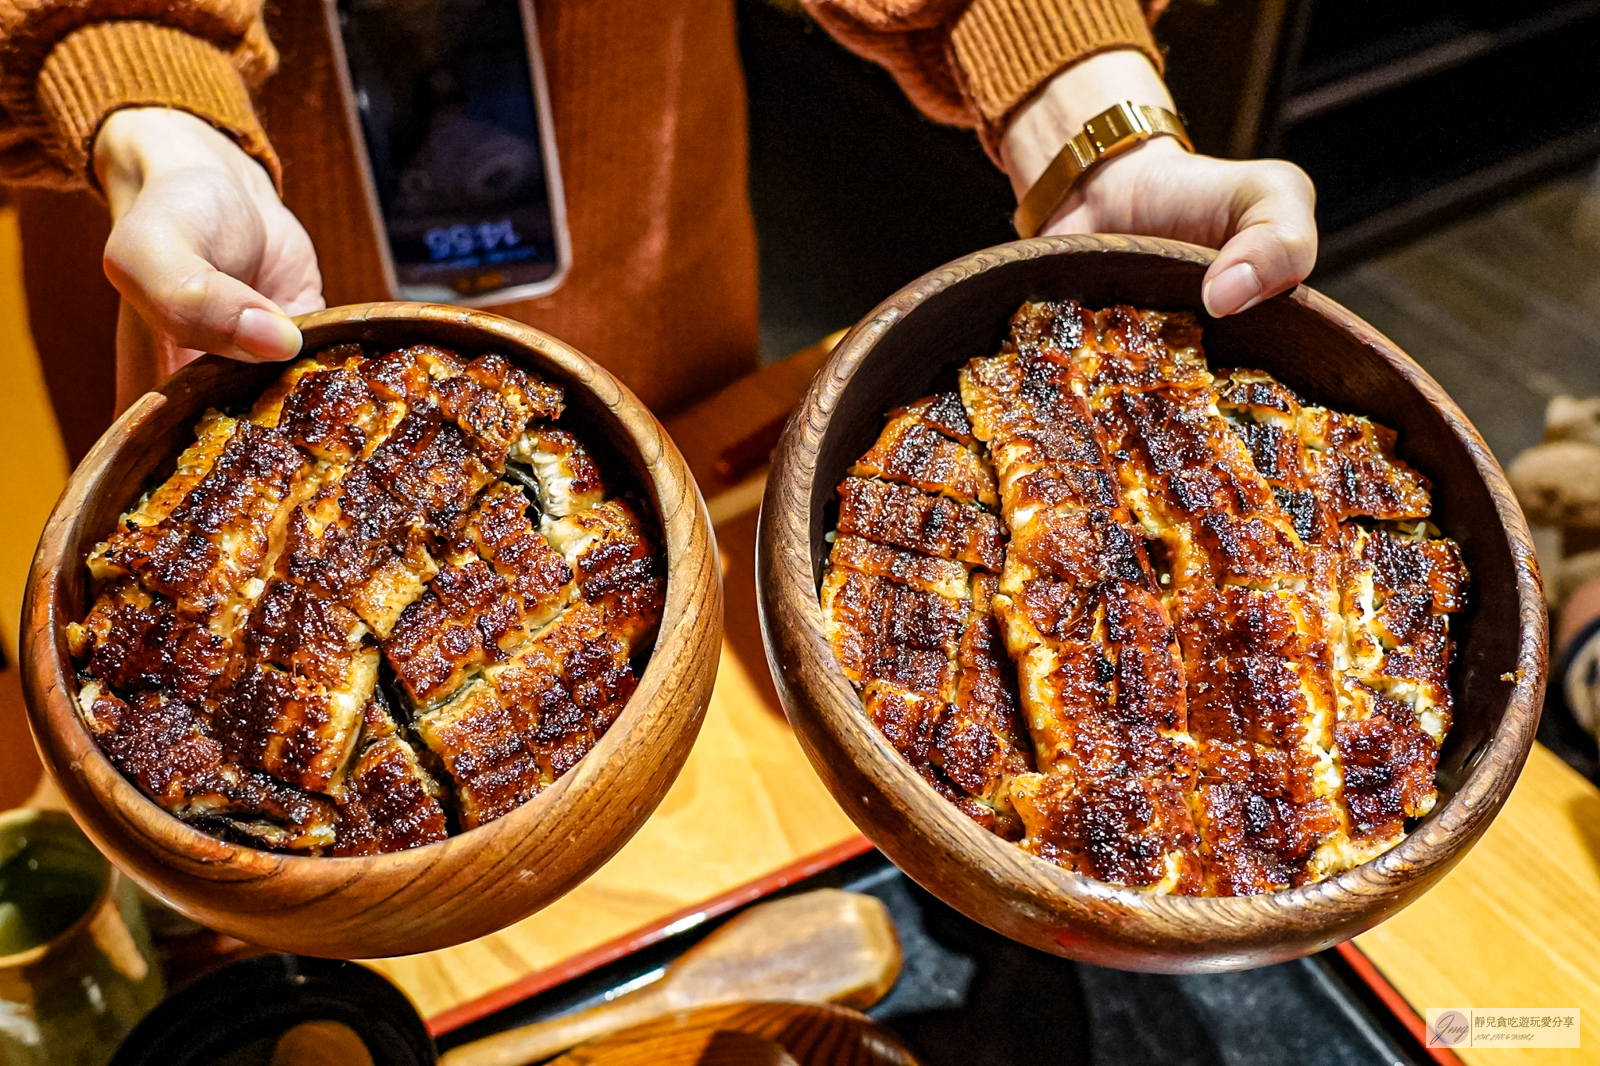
(444, 893)
(943, 319)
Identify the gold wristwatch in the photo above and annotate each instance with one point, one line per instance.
(1109, 134)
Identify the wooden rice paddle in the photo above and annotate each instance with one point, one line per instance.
(750, 1034)
(825, 946)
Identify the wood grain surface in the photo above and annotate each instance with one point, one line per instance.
(814, 1034)
(1316, 347)
(444, 893)
(686, 1047)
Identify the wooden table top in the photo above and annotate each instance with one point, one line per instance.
(1517, 923)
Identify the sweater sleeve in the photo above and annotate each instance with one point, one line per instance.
(974, 62)
(67, 64)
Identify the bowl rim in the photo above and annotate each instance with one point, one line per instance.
(787, 584)
(52, 699)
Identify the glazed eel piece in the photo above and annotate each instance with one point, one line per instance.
(519, 536)
(517, 658)
(907, 602)
(1097, 662)
(1246, 497)
(1228, 615)
(236, 695)
(1390, 588)
(180, 577)
(1244, 592)
(231, 659)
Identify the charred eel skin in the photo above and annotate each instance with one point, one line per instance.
(1174, 629)
(393, 600)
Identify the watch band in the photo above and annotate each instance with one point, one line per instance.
(1106, 135)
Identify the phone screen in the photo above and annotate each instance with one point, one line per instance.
(449, 99)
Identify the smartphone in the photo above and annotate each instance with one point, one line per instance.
(448, 98)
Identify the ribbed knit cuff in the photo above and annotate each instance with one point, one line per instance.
(111, 65)
(1005, 50)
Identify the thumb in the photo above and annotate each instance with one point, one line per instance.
(1274, 241)
(138, 357)
(189, 302)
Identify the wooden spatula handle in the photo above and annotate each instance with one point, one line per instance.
(546, 1039)
(824, 945)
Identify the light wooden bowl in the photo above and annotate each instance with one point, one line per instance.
(444, 893)
(943, 319)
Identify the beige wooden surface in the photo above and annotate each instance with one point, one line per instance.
(1517, 923)
(746, 804)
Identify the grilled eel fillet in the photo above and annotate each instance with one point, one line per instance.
(907, 602)
(231, 661)
(1389, 589)
(1244, 592)
(1228, 614)
(1097, 659)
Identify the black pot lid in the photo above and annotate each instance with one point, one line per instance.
(235, 1016)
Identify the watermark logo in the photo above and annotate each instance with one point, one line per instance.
(1449, 1029)
(1507, 1027)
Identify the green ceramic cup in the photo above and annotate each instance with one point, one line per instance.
(76, 968)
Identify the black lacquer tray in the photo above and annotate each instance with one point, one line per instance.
(970, 996)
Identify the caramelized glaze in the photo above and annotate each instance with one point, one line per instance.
(1225, 622)
(392, 600)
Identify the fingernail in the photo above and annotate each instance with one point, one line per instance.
(266, 335)
(1232, 291)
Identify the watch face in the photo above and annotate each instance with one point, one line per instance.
(1112, 127)
(446, 96)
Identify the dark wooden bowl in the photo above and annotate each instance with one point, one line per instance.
(444, 893)
(943, 319)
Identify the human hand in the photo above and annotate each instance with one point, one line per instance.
(1258, 212)
(205, 255)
